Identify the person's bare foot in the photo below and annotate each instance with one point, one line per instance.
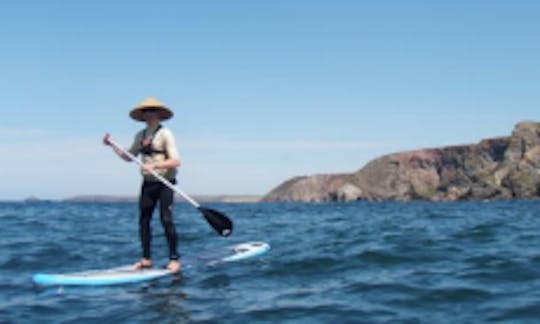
(174, 266)
(142, 264)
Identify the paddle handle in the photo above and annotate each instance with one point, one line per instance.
(155, 174)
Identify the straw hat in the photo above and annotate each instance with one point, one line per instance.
(137, 113)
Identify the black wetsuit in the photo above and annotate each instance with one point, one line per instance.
(152, 193)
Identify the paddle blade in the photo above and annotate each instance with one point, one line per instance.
(221, 223)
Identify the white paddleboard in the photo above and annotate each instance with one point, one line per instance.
(126, 274)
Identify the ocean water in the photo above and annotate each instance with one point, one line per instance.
(417, 262)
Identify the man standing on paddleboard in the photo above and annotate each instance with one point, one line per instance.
(157, 146)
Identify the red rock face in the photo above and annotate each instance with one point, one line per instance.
(498, 168)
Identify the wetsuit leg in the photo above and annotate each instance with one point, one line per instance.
(166, 204)
(147, 203)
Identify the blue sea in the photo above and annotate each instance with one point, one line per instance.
(362, 262)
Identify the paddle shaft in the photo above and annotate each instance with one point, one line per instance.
(157, 175)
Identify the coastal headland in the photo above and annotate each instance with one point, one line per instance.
(495, 168)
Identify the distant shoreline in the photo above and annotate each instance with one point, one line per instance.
(119, 198)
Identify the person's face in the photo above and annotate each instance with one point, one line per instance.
(150, 115)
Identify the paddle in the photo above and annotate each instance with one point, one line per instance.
(219, 222)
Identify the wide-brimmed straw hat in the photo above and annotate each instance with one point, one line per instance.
(137, 113)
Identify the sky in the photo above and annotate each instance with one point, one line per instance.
(262, 90)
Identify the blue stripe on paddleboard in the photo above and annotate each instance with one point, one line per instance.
(80, 280)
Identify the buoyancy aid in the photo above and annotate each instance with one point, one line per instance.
(147, 147)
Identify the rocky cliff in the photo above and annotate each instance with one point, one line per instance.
(498, 168)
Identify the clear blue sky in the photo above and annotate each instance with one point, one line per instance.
(262, 90)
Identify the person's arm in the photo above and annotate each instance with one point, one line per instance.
(122, 155)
